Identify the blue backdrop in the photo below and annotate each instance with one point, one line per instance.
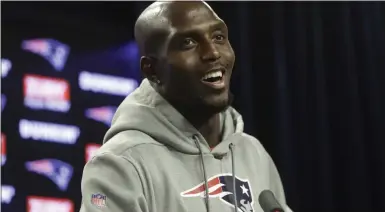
(59, 93)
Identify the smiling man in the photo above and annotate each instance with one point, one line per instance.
(176, 144)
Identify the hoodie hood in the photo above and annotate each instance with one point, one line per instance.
(145, 110)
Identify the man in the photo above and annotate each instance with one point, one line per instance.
(175, 144)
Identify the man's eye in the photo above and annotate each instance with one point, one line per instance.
(219, 37)
(188, 42)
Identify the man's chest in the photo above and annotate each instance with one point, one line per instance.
(179, 183)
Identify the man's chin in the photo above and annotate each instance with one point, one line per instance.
(218, 104)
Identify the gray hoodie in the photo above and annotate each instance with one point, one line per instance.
(154, 160)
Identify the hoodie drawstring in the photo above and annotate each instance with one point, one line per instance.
(204, 174)
(231, 147)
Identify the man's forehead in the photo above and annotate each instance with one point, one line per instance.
(187, 18)
(188, 14)
(163, 19)
(196, 28)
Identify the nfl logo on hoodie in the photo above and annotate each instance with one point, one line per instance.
(221, 186)
(98, 200)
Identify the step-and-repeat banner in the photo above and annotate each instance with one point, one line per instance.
(56, 105)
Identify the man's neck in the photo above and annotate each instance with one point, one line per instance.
(207, 125)
(211, 131)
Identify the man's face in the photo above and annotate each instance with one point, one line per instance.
(198, 59)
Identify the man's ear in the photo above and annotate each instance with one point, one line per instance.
(147, 66)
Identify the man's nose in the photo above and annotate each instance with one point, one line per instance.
(210, 52)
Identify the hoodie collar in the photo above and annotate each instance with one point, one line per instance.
(147, 111)
(147, 95)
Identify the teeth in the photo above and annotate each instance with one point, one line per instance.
(212, 75)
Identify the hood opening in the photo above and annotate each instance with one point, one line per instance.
(147, 111)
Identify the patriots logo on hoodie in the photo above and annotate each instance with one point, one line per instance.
(53, 51)
(221, 186)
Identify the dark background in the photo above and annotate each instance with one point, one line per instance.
(309, 81)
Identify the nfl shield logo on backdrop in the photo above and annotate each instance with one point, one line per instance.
(98, 200)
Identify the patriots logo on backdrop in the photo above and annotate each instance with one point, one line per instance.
(101, 114)
(7, 193)
(3, 101)
(221, 186)
(6, 66)
(55, 52)
(57, 171)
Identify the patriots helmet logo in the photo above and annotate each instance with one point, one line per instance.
(57, 171)
(102, 114)
(54, 51)
(221, 186)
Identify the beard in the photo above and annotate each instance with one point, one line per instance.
(199, 111)
(209, 108)
(217, 108)
(197, 107)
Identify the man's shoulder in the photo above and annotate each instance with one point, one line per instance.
(247, 136)
(251, 141)
(125, 143)
(250, 138)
